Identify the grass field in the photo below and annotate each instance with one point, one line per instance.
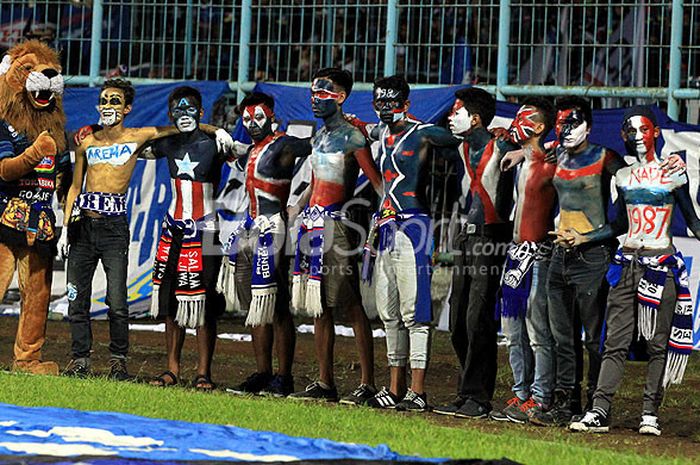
(405, 433)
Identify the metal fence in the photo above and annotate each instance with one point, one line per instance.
(609, 50)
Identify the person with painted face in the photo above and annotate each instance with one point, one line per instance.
(325, 278)
(402, 237)
(648, 279)
(255, 273)
(479, 252)
(185, 296)
(522, 302)
(95, 223)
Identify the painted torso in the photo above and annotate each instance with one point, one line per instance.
(334, 165)
(582, 185)
(111, 161)
(491, 189)
(649, 200)
(536, 197)
(194, 167)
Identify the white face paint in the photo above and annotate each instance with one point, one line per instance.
(108, 116)
(460, 121)
(186, 124)
(576, 136)
(640, 136)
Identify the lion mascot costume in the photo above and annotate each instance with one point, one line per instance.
(34, 164)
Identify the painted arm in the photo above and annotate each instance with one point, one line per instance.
(294, 210)
(64, 177)
(13, 168)
(295, 148)
(77, 185)
(684, 202)
(364, 159)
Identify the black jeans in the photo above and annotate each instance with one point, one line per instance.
(92, 240)
(475, 282)
(577, 287)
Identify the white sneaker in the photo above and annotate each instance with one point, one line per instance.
(650, 425)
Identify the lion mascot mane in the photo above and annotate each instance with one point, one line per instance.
(33, 165)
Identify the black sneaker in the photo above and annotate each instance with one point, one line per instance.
(451, 408)
(360, 395)
(253, 384)
(78, 368)
(117, 369)
(317, 391)
(413, 402)
(560, 413)
(279, 386)
(473, 409)
(594, 421)
(383, 399)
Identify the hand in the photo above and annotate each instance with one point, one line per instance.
(551, 152)
(240, 149)
(44, 145)
(512, 159)
(501, 133)
(569, 238)
(83, 132)
(292, 213)
(224, 141)
(674, 164)
(63, 245)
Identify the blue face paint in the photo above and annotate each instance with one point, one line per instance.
(324, 98)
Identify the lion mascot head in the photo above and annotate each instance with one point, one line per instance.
(31, 91)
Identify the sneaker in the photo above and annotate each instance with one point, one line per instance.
(317, 391)
(117, 369)
(413, 402)
(360, 395)
(536, 408)
(78, 368)
(650, 425)
(520, 415)
(560, 413)
(451, 408)
(253, 384)
(473, 409)
(593, 421)
(279, 386)
(501, 415)
(383, 399)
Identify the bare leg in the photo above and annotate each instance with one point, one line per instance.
(324, 341)
(206, 342)
(262, 346)
(365, 343)
(285, 341)
(418, 380)
(397, 383)
(174, 339)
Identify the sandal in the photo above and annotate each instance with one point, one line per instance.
(203, 383)
(166, 379)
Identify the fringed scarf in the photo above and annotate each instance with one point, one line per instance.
(190, 292)
(516, 280)
(263, 280)
(649, 292)
(308, 260)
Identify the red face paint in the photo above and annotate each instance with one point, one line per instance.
(523, 126)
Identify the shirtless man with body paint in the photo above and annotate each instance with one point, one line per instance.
(105, 160)
(325, 258)
(649, 283)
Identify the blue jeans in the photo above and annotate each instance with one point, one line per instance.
(520, 355)
(93, 240)
(540, 334)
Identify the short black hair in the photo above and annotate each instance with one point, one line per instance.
(640, 110)
(397, 82)
(478, 102)
(183, 92)
(547, 111)
(340, 77)
(574, 101)
(256, 98)
(123, 85)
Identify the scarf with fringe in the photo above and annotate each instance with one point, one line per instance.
(516, 280)
(190, 292)
(649, 292)
(308, 259)
(263, 280)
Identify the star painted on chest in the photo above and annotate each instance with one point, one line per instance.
(186, 166)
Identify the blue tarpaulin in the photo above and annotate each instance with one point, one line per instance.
(61, 432)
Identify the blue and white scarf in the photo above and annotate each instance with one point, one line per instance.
(264, 278)
(104, 203)
(649, 292)
(516, 280)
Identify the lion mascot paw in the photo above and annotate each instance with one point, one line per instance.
(33, 165)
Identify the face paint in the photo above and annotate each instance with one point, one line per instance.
(523, 126)
(460, 119)
(185, 114)
(257, 120)
(389, 105)
(572, 129)
(111, 107)
(324, 99)
(639, 137)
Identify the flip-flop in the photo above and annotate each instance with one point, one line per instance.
(162, 381)
(203, 383)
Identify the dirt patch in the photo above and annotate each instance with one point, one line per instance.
(234, 361)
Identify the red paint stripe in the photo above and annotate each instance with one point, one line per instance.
(589, 170)
(197, 200)
(178, 194)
